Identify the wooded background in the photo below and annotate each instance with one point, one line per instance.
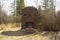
(47, 14)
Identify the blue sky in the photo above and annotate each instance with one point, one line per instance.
(57, 4)
(33, 3)
(7, 4)
(28, 3)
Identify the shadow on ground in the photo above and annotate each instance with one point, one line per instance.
(23, 33)
(15, 33)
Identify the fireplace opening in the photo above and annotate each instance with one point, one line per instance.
(29, 24)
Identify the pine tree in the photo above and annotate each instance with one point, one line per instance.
(21, 5)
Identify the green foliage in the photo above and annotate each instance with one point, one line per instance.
(18, 6)
(21, 5)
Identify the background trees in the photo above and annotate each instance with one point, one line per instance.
(21, 5)
(58, 18)
(46, 11)
(2, 14)
(48, 18)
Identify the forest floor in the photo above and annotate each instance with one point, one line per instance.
(11, 32)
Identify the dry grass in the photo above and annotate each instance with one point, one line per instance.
(44, 35)
(27, 37)
(40, 36)
(10, 27)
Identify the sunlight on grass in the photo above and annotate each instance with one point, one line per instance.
(10, 26)
(26, 37)
(35, 36)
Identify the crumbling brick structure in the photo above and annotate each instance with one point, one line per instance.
(29, 17)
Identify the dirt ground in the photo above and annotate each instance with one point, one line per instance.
(19, 35)
(16, 34)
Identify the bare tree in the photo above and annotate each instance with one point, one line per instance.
(49, 18)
